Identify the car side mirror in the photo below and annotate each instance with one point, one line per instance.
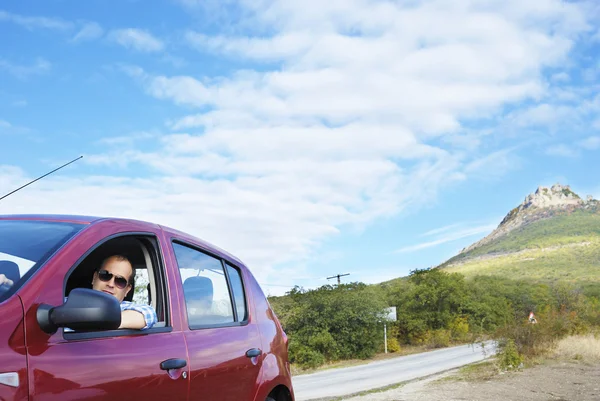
(85, 309)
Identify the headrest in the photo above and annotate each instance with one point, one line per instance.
(10, 270)
(198, 288)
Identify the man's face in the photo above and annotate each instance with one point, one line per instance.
(118, 269)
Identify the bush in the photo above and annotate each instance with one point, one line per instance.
(419, 337)
(393, 345)
(305, 357)
(509, 357)
(323, 343)
(337, 322)
(459, 329)
(440, 338)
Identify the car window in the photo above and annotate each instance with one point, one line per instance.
(149, 287)
(237, 288)
(205, 288)
(26, 245)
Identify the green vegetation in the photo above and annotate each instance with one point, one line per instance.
(562, 229)
(474, 372)
(435, 309)
(567, 192)
(331, 323)
(565, 247)
(550, 265)
(510, 358)
(578, 264)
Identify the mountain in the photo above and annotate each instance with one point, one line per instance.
(552, 235)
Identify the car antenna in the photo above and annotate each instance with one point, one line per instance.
(39, 178)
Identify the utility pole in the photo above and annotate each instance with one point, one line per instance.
(338, 277)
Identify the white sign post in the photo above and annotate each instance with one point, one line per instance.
(389, 317)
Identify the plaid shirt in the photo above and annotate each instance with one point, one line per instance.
(146, 310)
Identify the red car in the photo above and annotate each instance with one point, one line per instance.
(215, 337)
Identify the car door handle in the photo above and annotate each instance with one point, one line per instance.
(251, 353)
(174, 363)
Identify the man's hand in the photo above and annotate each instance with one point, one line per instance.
(5, 281)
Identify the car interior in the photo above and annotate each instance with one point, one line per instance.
(148, 284)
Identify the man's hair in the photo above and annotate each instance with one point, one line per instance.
(119, 258)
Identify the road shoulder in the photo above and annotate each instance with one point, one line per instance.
(555, 379)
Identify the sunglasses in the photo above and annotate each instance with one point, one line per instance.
(106, 276)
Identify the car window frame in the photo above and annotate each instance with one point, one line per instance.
(162, 283)
(210, 252)
(244, 292)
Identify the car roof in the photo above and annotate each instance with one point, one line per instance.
(65, 218)
(80, 219)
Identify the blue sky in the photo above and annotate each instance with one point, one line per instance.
(310, 139)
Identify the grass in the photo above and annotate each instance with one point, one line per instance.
(563, 247)
(480, 371)
(576, 263)
(561, 229)
(583, 347)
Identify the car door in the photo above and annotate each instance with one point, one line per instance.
(223, 341)
(13, 359)
(112, 365)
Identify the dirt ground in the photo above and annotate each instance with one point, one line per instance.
(555, 380)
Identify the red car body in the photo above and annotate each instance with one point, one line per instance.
(244, 360)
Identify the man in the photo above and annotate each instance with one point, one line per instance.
(115, 277)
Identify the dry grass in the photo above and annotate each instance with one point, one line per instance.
(583, 347)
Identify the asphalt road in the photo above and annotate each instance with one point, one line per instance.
(345, 381)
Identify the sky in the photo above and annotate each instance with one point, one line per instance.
(308, 138)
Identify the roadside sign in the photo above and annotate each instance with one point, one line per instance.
(390, 314)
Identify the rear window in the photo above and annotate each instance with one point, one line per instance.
(25, 246)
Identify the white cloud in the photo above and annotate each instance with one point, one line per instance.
(562, 150)
(454, 235)
(261, 49)
(136, 39)
(182, 90)
(127, 140)
(40, 66)
(441, 230)
(89, 31)
(591, 143)
(545, 115)
(36, 22)
(8, 128)
(561, 77)
(494, 164)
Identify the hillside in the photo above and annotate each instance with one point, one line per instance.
(553, 235)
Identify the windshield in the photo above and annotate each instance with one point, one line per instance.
(25, 246)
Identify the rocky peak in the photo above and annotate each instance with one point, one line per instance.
(543, 203)
(557, 196)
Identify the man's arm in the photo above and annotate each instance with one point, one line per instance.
(134, 316)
